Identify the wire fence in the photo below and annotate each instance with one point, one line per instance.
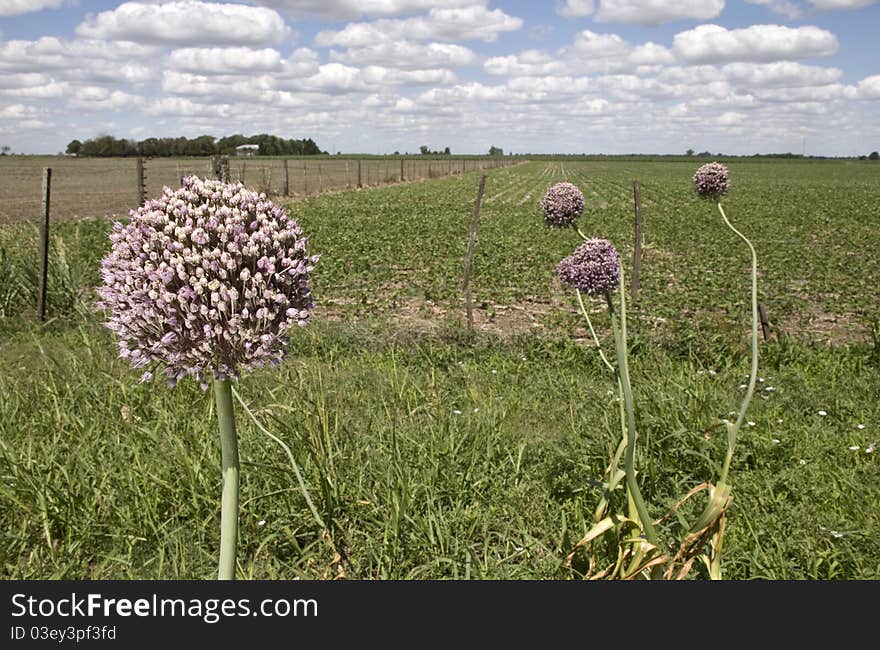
(111, 187)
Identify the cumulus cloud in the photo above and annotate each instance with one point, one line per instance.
(225, 60)
(353, 9)
(794, 10)
(529, 63)
(23, 80)
(576, 8)
(186, 22)
(18, 7)
(869, 88)
(472, 23)
(655, 12)
(407, 55)
(830, 5)
(782, 73)
(715, 44)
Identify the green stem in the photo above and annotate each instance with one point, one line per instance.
(592, 331)
(229, 459)
(612, 470)
(733, 430)
(623, 377)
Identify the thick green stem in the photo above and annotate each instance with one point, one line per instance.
(612, 470)
(733, 430)
(623, 377)
(229, 460)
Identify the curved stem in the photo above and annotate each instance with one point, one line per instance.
(229, 463)
(583, 236)
(592, 331)
(623, 376)
(733, 430)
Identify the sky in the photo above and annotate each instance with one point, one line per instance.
(377, 76)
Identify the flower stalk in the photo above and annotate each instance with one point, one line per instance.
(230, 470)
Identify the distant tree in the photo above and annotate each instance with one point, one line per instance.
(72, 148)
(689, 152)
(496, 151)
(424, 150)
(874, 156)
(446, 152)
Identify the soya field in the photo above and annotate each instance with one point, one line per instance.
(432, 452)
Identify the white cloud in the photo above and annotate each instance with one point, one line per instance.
(51, 90)
(529, 63)
(869, 88)
(407, 54)
(17, 7)
(225, 60)
(782, 73)
(353, 9)
(17, 112)
(178, 106)
(576, 8)
(591, 45)
(186, 22)
(473, 23)
(655, 12)
(23, 80)
(334, 78)
(715, 44)
(782, 7)
(830, 5)
(378, 75)
(97, 98)
(794, 10)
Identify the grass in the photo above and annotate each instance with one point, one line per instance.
(430, 452)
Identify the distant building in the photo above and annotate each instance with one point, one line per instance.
(247, 150)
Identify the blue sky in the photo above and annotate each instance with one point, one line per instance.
(377, 76)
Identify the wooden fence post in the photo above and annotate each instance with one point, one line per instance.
(360, 184)
(765, 324)
(469, 257)
(44, 244)
(285, 180)
(224, 169)
(141, 184)
(402, 177)
(637, 249)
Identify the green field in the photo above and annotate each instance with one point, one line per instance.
(434, 453)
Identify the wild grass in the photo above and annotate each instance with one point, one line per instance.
(430, 453)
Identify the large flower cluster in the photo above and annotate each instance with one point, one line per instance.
(594, 267)
(711, 181)
(562, 205)
(207, 280)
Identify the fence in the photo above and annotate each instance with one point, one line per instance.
(110, 187)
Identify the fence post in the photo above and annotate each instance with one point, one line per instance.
(44, 244)
(765, 324)
(469, 257)
(360, 184)
(285, 180)
(141, 186)
(402, 178)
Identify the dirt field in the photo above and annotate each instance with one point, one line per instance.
(107, 187)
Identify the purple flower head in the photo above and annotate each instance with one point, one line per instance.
(593, 267)
(562, 205)
(712, 181)
(207, 281)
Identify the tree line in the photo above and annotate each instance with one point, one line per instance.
(204, 145)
